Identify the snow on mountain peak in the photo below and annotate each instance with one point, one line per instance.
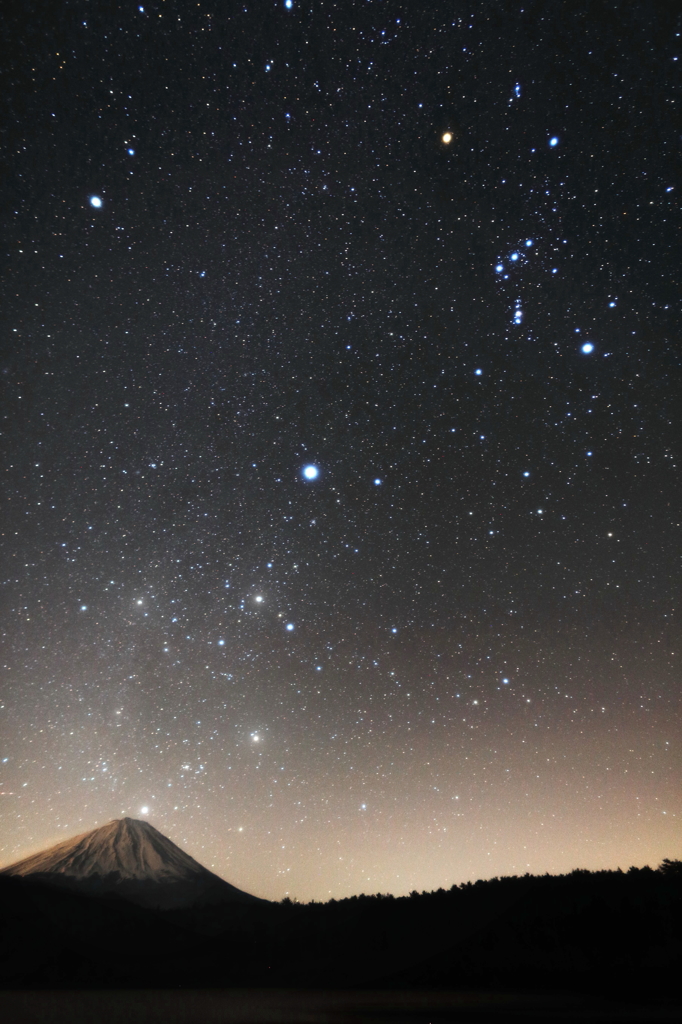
(130, 848)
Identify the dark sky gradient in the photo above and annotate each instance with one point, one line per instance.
(290, 267)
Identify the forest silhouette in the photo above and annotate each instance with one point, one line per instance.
(602, 933)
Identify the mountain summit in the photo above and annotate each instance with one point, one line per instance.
(132, 859)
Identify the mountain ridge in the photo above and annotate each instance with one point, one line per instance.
(132, 859)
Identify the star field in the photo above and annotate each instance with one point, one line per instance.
(340, 372)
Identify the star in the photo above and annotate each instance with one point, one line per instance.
(311, 472)
(587, 348)
(96, 202)
(446, 137)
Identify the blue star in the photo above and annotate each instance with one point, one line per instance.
(311, 472)
(478, 372)
(95, 201)
(290, 626)
(377, 481)
(499, 268)
(554, 141)
(514, 256)
(587, 348)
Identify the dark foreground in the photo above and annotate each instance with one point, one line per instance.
(610, 941)
(243, 1006)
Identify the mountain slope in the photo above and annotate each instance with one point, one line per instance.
(132, 859)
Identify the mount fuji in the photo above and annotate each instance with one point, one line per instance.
(133, 860)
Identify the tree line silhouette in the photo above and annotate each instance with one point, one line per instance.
(610, 932)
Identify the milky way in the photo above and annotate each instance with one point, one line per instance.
(340, 374)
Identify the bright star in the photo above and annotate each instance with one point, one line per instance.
(587, 348)
(95, 201)
(505, 680)
(514, 256)
(526, 473)
(499, 268)
(221, 643)
(131, 152)
(446, 137)
(529, 242)
(290, 626)
(311, 472)
(258, 598)
(554, 141)
(377, 481)
(288, 4)
(84, 607)
(144, 810)
(478, 372)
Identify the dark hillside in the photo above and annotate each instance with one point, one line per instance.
(604, 932)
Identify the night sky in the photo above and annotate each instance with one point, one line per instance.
(340, 374)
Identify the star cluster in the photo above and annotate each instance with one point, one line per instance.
(340, 379)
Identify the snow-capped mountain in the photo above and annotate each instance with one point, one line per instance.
(131, 859)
